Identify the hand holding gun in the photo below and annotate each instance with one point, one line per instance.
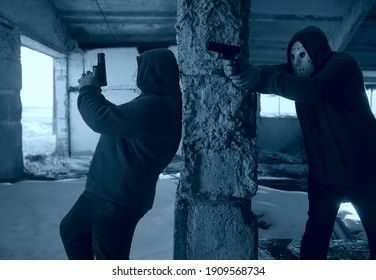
(97, 78)
(243, 75)
(230, 54)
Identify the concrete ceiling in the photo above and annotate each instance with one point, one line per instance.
(349, 24)
(103, 23)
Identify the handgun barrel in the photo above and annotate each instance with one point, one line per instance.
(102, 76)
(225, 51)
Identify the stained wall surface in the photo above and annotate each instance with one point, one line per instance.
(11, 161)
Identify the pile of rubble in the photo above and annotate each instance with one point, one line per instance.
(288, 249)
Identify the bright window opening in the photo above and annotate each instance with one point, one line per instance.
(371, 94)
(275, 106)
(37, 103)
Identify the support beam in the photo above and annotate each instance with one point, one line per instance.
(213, 217)
(11, 159)
(350, 23)
(39, 21)
(61, 106)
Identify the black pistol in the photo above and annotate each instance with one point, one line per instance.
(101, 70)
(224, 51)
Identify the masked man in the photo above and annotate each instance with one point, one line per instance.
(138, 140)
(338, 128)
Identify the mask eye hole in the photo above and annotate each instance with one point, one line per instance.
(302, 55)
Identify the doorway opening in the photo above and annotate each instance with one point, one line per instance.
(37, 97)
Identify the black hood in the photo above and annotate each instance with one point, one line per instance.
(158, 73)
(316, 44)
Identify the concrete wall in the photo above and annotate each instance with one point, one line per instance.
(37, 20)
(11, 160)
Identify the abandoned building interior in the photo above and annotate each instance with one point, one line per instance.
(213, 171)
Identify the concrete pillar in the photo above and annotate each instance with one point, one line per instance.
(61, 104)
(213, 217)
(11, 159)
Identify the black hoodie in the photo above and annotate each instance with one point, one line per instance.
(338, 127)
(139, 138)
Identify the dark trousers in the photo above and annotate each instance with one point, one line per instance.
(99, 229)
(324, 203)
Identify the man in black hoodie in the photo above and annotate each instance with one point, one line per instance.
(138, 140)
(338, 128)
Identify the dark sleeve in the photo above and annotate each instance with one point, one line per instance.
(136, 118)
(309, 90)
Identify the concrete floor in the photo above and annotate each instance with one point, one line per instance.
(31, 211)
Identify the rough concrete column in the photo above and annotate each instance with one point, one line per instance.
(11, 159)
(213, 217)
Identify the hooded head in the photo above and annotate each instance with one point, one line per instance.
(315, 43)
(158, 73)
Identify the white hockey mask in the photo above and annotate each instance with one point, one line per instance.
(300, 60)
